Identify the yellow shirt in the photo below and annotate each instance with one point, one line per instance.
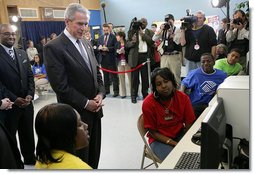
(69, 161)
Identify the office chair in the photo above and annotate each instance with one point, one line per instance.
(147, 151)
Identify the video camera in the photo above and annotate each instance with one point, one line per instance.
(237, 21)
(188, 21)
(167, 26)
(135, 24)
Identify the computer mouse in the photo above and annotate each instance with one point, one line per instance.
(196, 138)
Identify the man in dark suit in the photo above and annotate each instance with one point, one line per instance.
(40, 46)
(10, 156)
(5, 102)
(17, 78)
(74, 75)
(141, 47)
(106, 47)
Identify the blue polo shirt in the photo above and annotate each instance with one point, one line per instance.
(203, 86)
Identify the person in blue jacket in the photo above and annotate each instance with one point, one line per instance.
(202, 83)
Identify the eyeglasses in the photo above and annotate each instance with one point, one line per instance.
(8, 34)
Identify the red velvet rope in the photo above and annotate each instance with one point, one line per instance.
(122, 72)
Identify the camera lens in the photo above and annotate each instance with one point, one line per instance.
(166, 26)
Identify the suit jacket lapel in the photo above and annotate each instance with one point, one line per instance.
(90, 56)
(4, 55)
(93, 61)
(73, 51)
(20, 61)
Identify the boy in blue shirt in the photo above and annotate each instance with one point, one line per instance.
(203, 83)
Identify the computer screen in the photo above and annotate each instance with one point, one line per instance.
(213, 135)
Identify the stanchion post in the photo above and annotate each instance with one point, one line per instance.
(149, 73)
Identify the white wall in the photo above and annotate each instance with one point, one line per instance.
(120, 12)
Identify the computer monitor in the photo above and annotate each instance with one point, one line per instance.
(213, 134)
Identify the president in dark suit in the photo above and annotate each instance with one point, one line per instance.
(107, 55)
(17, 77)
(74, 75)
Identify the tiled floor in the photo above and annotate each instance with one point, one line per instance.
(121, 143)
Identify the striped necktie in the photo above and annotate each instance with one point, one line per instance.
(11, 53)
(85, 57)
(106, 39)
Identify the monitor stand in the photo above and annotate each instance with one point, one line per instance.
(228, 146)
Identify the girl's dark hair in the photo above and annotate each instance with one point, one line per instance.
(165, 73)
(121, 34)
(40, 62)
(56, 127)
(224, 20)
(28, 42)
(240, 11)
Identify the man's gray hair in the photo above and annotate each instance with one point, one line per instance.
(200, 12)
(73, 8)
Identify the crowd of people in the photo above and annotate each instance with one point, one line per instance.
(69, 134)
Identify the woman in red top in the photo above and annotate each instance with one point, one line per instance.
(168, 113)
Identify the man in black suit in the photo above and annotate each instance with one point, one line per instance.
(106, 47)
(40, 46)
(17, 78)
(10, 156)
(5, 102)
(74, 75)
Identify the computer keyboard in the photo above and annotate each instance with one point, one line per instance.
(188, 160)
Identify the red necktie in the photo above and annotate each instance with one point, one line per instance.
(105, 39)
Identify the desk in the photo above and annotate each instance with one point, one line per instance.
(235, 93)
(185, 144)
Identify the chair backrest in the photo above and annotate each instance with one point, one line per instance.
(143, 132)
(141, 128)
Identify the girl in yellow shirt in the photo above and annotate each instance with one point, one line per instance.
(60, 133)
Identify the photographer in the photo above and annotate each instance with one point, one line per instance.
(198, 39)
(170, 46)
(140, 46)
(238, 35)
